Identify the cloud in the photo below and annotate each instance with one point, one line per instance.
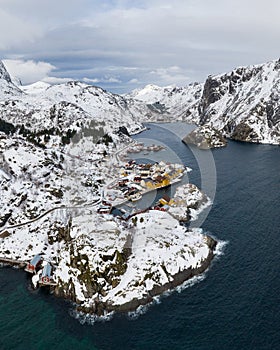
(56, 80)
(14, 32)
(170, 75)
(120, 42)
(106, 79)
(133, 81)
(28, 71)
(91, 81)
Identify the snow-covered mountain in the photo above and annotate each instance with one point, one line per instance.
(243, 104)
(40, 107)
(7, 88)
(179, 103)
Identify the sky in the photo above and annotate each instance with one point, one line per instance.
(121, 45)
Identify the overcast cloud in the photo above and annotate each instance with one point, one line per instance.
(121, 45)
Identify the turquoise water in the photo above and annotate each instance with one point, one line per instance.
(236, 306)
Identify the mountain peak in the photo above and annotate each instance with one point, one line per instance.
(4, 73)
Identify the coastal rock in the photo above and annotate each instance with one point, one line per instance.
(205, 137)
(161, 256)
(244, 132)
(176, 280)
(187, 203)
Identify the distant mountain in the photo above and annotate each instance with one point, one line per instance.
(171, 102)
(41, 107)
(35, 88)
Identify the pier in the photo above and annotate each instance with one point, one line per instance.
(12, 262)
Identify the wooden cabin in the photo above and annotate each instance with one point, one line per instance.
(164, 200)
(34, 264)
(104, 209)
(137, 179)
(47, 278)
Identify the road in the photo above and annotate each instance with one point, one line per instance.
(93, 204)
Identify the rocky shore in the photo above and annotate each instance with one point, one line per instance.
(100, 308)
(178, 279)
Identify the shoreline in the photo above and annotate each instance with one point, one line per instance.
(100, 308)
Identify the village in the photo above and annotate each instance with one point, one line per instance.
(102, 212)
(136, 179)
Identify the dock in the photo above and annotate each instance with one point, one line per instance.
(13, 262)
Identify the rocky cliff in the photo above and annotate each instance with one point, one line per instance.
(242, 105)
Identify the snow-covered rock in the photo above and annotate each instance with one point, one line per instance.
(244, 104)
(173, 103)
(205, 137)
(188, 202)
(7, 88)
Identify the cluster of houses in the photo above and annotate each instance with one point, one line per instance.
(136, 178)
(33, 267)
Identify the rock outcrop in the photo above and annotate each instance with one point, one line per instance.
(244, 104)
(205, 137)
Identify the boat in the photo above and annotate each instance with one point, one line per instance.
(135, 197)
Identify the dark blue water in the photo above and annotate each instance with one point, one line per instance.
(237, 305)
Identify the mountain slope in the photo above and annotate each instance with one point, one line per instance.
(171, 102)
(71, 105)
(244, 104)
(7, 88)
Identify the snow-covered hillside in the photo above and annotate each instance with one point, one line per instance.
(243, 104)
(174, 103)
(72, 105)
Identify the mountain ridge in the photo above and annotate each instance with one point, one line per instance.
(243, 104)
